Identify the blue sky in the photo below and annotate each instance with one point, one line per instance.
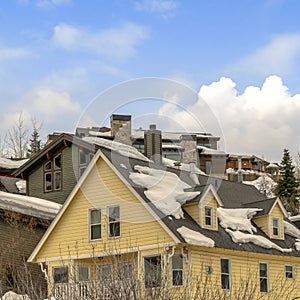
(240, 57)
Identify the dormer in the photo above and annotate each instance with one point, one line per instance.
(204, 210)
(270, 219)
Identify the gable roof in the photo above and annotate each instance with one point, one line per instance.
(233, 195)
(62, 141)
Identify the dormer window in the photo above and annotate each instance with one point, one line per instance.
(208, 216)
(52, 174)
(275, 227)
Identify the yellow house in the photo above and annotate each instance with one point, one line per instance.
(134, 230)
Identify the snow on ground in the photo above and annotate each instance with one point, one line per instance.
(195, 238)
(120, 148)
(265, 184)
(13, 296)
(7, 163)
(30, 206)
(164, 189)
(241, 237)
(237, 218)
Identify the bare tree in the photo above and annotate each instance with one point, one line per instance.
(17, 139)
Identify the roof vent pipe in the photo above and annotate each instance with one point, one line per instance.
(240, 174)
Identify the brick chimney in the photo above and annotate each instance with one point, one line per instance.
(152, 143)
(121, 128)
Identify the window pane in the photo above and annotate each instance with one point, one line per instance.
(264, 285)
(114, 213)
(83, 273)
(95, 232)
(152, 271)
(82, 157)
(60, 274)
(225, 282)
(95, 216)
(114, 229)
(48, 182)
(263, 270)
(289, 272)
(57, 180)
(225, 266)
(177, 277)
(177, 261)
(48, 166)
(57, 162)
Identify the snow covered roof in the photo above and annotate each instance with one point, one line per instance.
(11, 164)
(29, 206)
(210, 151)
(13, 185)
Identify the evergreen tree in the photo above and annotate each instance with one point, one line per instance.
(287, 188)
(35, 143)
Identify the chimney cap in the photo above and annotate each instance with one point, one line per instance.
(117, 117)
(152, 126)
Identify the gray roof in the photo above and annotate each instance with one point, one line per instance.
(233, 195)
(9, 184)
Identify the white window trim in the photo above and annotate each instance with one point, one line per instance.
(89, 271)
(183, 281)
(278, 227)
(293, 271)
(268, 276)
(161, 270)
(108, 223)
(90, 224)
(45, 174)
(211, 216)
(229, 266)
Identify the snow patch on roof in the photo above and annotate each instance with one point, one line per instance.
(297, 245)
(241, 237)
(179, 165)
(210, 151)
(195, 238)
(21, 185)
(7, 163)
(265, 184)
(120, 148)
(237, 218)
(291, 229)
(164, 189)
(30, 206)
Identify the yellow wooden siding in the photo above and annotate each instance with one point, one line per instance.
(102, 188)
(263, 223)
(193, 210)
(276, 213)
(209, 201)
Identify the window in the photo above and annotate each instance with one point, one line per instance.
(83, 273)
(95, 224)
(263, 277)
(113, 221)
(104, 272)
(60, 274)
(52, 174)
(289, 272)
(126, 270)
(225, 274)
(208, 215)
(152, 271)
(208, 167)
(82, 157)
(177, 270)
(275, 227)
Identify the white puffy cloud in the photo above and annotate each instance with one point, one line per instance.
(260, 120)
(116, 42)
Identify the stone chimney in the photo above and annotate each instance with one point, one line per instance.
(189, 144)
(121, 128)
(152, 143)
